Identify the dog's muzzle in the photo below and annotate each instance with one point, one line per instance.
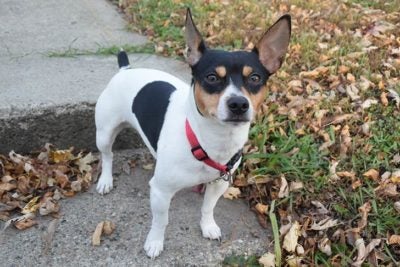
(238, 107)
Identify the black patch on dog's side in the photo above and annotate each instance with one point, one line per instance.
(150, 106)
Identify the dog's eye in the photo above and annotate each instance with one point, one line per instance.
(254, 78)
(212, 78)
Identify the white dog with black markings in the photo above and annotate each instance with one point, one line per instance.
(196, 132)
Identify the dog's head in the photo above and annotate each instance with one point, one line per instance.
(230, 86)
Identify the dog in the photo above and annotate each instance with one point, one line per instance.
(195, 132)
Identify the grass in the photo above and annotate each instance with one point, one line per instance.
(287, 139)
(241, 261)
(102, 51)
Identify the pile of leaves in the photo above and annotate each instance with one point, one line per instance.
(322, 164)
(32, 185)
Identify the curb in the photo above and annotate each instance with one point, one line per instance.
(63, 126)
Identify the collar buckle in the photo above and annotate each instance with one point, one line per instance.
(199, 153)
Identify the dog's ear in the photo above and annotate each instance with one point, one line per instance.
(273, 45)
(194, 41)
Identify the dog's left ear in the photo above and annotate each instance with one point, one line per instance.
(272, 47)
(194, 41)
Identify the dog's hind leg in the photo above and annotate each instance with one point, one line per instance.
(214, 191)
(105, 137)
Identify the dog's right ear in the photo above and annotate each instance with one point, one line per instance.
(194, 41)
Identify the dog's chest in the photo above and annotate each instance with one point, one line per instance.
(149, 106)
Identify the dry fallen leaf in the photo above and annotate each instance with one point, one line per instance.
(16, 219)
(49, 206)
(108, 227)
(148, 167)
(7, 186)
(267, 260)
(397, 206)
(58, 156)
(320, 207)
(290, 239)
(295, 186)
(394, 239)
(25, 224)
(324, 224)
(284, 189)
(372, 174)
(363, 251)
(324, 246)
(32, 206)
(84, 163)
(232, 192)
(96, 238)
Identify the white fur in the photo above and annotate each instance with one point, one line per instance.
(223, 110)
(176, 167)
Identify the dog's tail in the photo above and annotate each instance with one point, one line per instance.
(123, 61)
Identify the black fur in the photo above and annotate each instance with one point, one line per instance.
(150, 106)
(234, 63)
(123, 60)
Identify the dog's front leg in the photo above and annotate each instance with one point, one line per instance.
(160, 200)
(207, 223)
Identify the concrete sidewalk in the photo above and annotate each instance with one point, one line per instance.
(34, 85)
(45, 99)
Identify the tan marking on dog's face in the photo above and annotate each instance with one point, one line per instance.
(206, 103)
(256, 99)
(247, 70)
(221, 71)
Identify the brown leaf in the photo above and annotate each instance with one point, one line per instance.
(345, 140)
(108, 227)
(372, 174)
(49, 206)
(7, 186)
(261, 208)
(61, 155)
(290, 239)
(295, 186)
(394, 239)
(23, 185)
(324, 224)
(76, 186)
(384, 100)
(320, 207)
(97, 234)
(363, 251)
(24, 224)
(284, 188)
(32, 206)
(397, 206)
(324, 246)
(313, 74)
(4, 215)
(232, 192)
(61, 178)
(84, 163)
(267, 260)
(364, 211)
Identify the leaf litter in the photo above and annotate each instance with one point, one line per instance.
(33, 185)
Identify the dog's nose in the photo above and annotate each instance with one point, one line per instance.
(238, 105)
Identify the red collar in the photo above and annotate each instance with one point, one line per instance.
(201, 155)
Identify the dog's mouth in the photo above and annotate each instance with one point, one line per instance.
(236, 120)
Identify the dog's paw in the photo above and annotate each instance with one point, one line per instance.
(211, 230)
(153, 248)
(104, 185)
